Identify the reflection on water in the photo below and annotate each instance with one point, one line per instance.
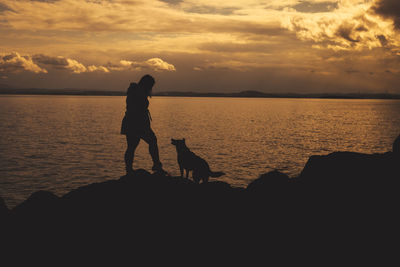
(61, 142)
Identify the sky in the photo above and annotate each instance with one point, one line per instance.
(277, 46)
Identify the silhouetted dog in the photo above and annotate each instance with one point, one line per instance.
(189, 161)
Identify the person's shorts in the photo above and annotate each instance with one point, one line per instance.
(141, 127)
(146, 134)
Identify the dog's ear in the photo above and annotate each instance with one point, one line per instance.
(173, 140)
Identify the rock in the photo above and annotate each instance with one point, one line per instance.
(216, 186)
(3, 208)
(349, 170)
(216, 191)
(396, 146)
(144, 198)
(268, 182)
(41, 203)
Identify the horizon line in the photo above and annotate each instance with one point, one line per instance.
(244, 94)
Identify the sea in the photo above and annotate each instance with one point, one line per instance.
(58, 143)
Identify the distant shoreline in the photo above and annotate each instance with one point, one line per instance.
(244, 94)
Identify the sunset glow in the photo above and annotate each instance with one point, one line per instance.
(208, 46)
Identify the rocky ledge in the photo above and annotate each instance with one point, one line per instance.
(337, 177)
(337, 198)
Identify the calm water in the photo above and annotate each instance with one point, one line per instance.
(58, 143)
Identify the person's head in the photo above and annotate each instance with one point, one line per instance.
(147, 82)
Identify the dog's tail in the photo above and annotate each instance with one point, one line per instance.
(216, 174)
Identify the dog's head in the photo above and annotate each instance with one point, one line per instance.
(179, 143)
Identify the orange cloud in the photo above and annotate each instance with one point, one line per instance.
(14, 63)
(156, 64)
(351, 26)
(60, 62)
(388, 9)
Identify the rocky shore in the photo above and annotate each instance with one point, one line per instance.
(339, 177)
(342, 198)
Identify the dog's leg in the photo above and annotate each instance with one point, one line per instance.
(187, 174)
(181, 169)
(196, 178)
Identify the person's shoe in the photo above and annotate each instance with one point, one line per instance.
(157, 168)
(130, 172)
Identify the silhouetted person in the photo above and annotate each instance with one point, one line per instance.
(136, 123)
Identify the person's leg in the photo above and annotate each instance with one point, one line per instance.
(150, 138)
(132, 142)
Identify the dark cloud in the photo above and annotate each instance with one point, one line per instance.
(345, 31)
(310, 7)
(61, 63)
(352, 71)
(172, 2)
(45, 1)
(55, 62)
(382, 39)
(235, 26)
(4, 7)
(204, 9)
(389, 9)
(361, 28)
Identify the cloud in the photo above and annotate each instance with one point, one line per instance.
(351, 26)
(345, 31)
(45, 1)
(93, 68)
(172, 2)
(156, 64)
(205, 9)
(126, 63)
(15, 63)
(388, 9)
(4, 7)
(75, 66)
(159, 64)
(60, 62)
(196, 40)
(382, 39)
(315, 7)
(56, 62)
(150, 17)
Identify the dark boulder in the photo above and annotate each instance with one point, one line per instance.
(3, 209)
(364, 180)
(396, 146)
(143, 198)
(217, 187)
(40, 203)
(269, 182)
(217, 192)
